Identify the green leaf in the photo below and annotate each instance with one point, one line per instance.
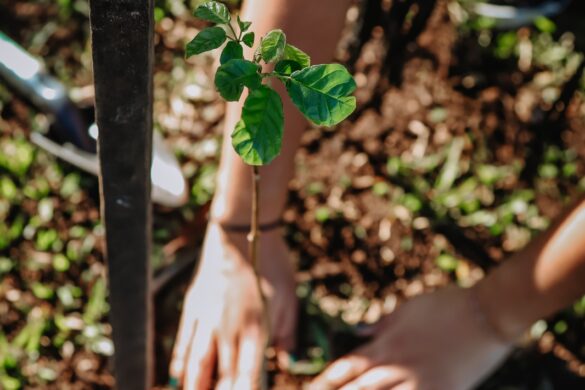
(297, 55)
(286, 67)
(232, 76)
(323, 93)
(208, 39)
(272, 46)
(545, 25)
(214, 12)
(248, 39)
(232, 51)
(447, 263)
(244, 26)
(450, 170)
(257, 137)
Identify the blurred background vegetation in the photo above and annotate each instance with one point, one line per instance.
(471, 156)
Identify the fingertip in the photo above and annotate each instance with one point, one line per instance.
(283, 358)
(175, 372)
(199, 368)
(244, 382)
(173, 383)
(341, 372)
(224, 384)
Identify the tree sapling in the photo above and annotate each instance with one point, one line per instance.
(323, 94)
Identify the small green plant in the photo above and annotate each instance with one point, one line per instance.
(323, 93)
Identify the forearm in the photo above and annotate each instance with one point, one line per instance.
(539, 280)
(314, 27)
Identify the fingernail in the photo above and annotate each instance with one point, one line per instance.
(283, 359)
(174, 383)
(293, 357)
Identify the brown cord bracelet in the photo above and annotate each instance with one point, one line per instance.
(245, 229)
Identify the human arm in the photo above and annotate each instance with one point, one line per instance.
(454, 337)
(222, 316)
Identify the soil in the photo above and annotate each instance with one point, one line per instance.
(361, 248)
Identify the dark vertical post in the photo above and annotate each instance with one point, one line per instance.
(122, 39)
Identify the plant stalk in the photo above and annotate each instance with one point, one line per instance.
(253, 239)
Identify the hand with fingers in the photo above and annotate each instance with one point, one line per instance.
(222, 324)
(433, 342)
(452, 338)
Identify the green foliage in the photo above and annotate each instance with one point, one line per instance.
(258, 135)
(204, 185)
(60, 263)
(506, 44)
(272, 46)
(297, 55)
(286, 67)
(8, 189)
(10, 383)
(545, 25)
(214, 12)
(248, 39)
(322, 93)
(447, 262)
(96, 306)
(208, 39)
(232, 51)
(233, 76)
(16, 156)
(42, 291)
(322, 214)
(450, 170)
(46, 239)
(244, 26)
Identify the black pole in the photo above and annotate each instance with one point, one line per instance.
(122, 39)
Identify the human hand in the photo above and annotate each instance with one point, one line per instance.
(222, 317)
(436, 341)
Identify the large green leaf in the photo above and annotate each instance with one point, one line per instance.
(231, 51)
(232, 76)
(208, 39)
(272, 46)
(323, 93)
(214, 12)
(257, 137)
(297, 55)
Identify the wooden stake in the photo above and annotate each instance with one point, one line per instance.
(122, 40)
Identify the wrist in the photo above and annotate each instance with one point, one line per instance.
(229, 210)
(485, 319)
(232, 201)
(497, 307)
(230, 244)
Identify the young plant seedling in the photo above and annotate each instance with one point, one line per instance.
(323, 93)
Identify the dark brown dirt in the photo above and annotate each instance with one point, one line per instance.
(362, 249)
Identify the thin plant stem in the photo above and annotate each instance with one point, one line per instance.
(253, 239)
(236, 37)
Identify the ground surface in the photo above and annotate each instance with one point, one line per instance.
(467, 153)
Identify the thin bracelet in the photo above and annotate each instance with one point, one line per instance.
(484, 319)
(245, 229)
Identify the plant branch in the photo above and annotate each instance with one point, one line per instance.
(279, 76)
(236, 38)
(253, 239)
